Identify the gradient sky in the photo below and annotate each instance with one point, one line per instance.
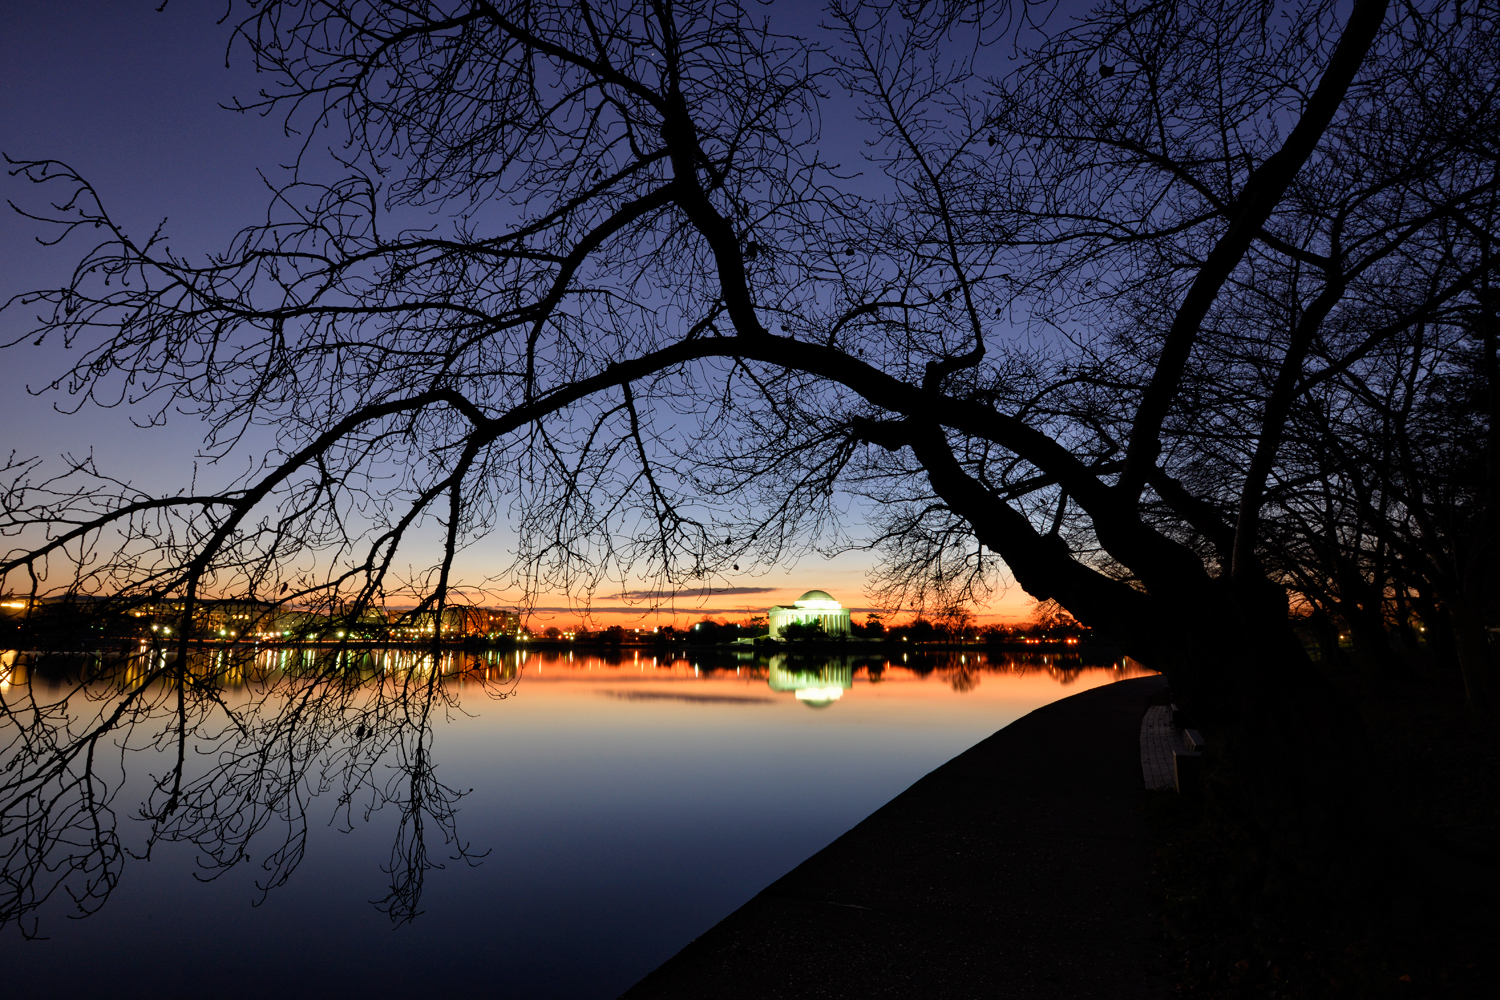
(130, 98)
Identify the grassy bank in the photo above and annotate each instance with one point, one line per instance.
(1426, 923)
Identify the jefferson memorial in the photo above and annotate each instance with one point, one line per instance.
(813, 606)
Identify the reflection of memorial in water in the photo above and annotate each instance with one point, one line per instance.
(816, 685)
(265, 731)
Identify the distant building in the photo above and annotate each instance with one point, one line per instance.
(458, 622)
(233, 618)
(244, 619)
(813, 606)
(481, 621)
(214, 619)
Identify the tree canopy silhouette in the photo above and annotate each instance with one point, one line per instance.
(592, 270)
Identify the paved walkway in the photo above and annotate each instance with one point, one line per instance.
(1021, 868)
(1159, 739)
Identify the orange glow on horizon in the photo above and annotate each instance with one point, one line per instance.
(1012, 607)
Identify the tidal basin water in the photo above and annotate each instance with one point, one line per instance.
(626, 803)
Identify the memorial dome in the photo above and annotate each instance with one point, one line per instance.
(813, 606)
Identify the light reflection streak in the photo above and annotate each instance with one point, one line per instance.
(357, 722)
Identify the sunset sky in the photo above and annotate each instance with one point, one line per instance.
(129, 97)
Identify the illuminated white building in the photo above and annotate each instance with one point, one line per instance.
(813, 606)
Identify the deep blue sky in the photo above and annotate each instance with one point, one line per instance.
(129, 98)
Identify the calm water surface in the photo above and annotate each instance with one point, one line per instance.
(626, 804)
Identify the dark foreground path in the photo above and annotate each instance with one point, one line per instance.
(1020, 868)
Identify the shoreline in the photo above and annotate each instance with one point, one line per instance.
(855, 648)
(1021, 867)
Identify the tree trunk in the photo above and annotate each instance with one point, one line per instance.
(1437, 632)
(1327, 633)
(1289, 784)
(1378, 663)
(1471, 644)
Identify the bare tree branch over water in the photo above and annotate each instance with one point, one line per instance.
(592, 271)
(249, 739)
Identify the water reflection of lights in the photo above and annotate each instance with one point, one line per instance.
(809, 680)
(814, 686)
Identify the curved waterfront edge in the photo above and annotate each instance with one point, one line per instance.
(1021, 867)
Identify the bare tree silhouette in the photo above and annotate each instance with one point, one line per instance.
(252, 738)
(589, 268)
